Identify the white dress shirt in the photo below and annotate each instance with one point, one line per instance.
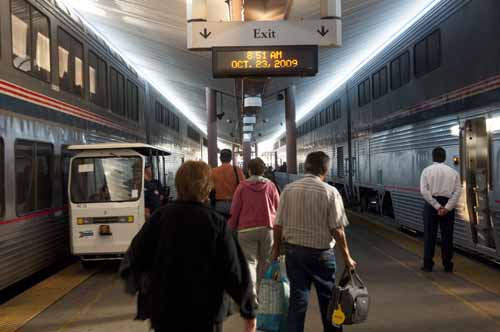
(440, 179)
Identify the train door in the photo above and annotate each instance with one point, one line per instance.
(477, 163)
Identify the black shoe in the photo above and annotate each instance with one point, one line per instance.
(448, 269)
(426, 269)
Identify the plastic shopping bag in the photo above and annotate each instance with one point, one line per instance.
(274, 296)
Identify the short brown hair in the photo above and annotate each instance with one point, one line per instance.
(193, 181)
(226, 155)
(317, 163)
(256, 166)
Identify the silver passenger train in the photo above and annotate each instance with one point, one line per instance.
(438, 84)
(60, 84)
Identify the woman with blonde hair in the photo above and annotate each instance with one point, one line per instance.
(193, 259)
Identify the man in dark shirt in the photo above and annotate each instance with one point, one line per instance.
(153, 192)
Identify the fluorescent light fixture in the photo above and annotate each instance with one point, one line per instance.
(248, 128)
(249, 120)
(252, 102)
(398, 28)
(455, 130)
(493, 124)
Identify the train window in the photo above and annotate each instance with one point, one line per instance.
(364, 92)
(2, 188)
(30, 40)
(434, 51)
(158, 112)
(132, 101)
(322, 118)
(33, 176)
(177, 124)
(98, 80)
(428, 54)
(331, 113)
(44, 181)
(117, 92)
(337, 110)
(376, 85)
(400, 71)
(420, 58)
(340, 162)
(379, 83)
(70, 52)
(166, 116)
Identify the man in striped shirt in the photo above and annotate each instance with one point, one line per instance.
(309, 221)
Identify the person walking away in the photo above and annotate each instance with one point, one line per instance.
(440, 187)
(309, 222)
(153, 192)
(192, 258)
(269, 174)
(253, 211)
(226, 178)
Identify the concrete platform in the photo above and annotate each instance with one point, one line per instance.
(403, 297)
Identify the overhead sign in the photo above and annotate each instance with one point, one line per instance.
(265, 61)
(206, 35)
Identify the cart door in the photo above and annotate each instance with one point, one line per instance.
(477, 172)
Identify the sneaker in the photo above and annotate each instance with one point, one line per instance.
(426, 269)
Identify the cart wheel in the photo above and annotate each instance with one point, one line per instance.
(87, 264)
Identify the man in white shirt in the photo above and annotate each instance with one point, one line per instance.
(310, 220)
(441, 187)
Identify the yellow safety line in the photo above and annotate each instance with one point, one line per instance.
(21, 309)
(474, 272)
(442, 288)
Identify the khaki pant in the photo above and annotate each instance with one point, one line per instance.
(257, 245)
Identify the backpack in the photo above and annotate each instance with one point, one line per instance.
(350, 301)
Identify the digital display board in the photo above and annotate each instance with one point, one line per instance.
(264, 61)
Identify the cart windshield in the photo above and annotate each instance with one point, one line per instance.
(106, 179)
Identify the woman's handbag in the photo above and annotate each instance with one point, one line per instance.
(350, 301)
(274, 296)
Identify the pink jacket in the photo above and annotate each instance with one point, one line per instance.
(255, 203)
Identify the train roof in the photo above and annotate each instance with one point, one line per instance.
(144, 149)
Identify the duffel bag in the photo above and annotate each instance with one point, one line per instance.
(350, 300)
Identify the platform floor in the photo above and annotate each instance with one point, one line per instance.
(403, 297)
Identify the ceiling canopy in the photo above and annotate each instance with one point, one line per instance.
(152, 35)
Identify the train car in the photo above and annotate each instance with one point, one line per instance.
(438, 84)
(61, 84)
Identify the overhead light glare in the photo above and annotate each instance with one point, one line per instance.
(148, 75)
(352, 70)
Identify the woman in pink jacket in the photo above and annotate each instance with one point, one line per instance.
(253, 211)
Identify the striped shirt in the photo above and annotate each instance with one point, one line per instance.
(309, 210)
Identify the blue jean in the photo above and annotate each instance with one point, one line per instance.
(306, 266)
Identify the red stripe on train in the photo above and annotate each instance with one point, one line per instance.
(52, 100)
(33, 215)
(54, 103)
(50, 104)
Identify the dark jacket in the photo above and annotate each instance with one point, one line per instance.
(191, 257)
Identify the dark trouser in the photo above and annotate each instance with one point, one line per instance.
(306, 266)
(431, 223)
